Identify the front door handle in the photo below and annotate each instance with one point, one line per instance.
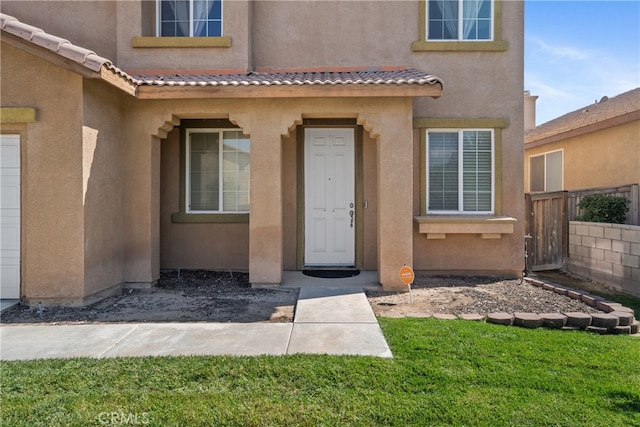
(351, 213)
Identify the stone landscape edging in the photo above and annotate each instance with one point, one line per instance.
(614, 318)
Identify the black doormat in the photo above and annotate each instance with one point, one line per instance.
(331, 274)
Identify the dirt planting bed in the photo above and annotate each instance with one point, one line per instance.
(179, 296)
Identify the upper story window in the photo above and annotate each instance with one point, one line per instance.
(459, 20)
(189, 18)
(217, 171)
(460, 171)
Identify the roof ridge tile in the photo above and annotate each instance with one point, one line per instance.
(20, 29)
(48, 41)
(53, 43)
(4, 18)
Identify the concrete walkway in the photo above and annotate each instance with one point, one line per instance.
(332, 316)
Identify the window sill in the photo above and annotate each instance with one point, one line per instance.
(17, 115)
(181, 217)
(487, 226)
(460, 46)
(160, 42)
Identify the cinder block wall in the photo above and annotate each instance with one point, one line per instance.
(607, 254)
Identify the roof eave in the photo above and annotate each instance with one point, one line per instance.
(48, 55)
(105, 71)
(111, 75)
(289, 91)
(593, 127)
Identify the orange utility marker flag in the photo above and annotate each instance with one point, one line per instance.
(407, 276)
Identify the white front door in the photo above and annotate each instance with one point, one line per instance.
(9, 216)
(329, 197)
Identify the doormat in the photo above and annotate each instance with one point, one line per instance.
(331, 274)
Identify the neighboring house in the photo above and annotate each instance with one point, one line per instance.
(595, 146)
(268, 136)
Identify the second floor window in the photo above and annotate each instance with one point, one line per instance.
(189, 18)
(459, 19)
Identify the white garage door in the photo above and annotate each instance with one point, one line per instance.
(9, 216)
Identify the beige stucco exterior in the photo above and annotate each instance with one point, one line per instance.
(276, 132)
(71, 239)
(87, 24)
(102, 148)
(607, 156)
(53, 242)
(102, 168)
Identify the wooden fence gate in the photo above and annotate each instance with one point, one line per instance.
(547, 217)
(546, 222)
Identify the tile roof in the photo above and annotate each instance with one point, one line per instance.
(63, 47)
(298, 78)
(96, 63)
(85, 57)
(597, 113)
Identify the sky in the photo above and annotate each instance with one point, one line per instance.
(578, 51)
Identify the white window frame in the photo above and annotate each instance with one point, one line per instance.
(544, 175)
(461, 210)
(187, 171)
(159, 19)
(460, 25)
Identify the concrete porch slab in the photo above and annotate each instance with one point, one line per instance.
(365, 280)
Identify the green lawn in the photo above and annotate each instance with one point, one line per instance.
(443, 373)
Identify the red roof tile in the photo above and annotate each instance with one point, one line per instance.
(363, 77)
(94, 62)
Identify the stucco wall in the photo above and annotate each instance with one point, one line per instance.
(290, 200)
(225, 246)
(470, 253)
(603, 158)
(132, 22)
(321, 34)
(370, 196)
(265, 120)
(479, 85)
(361, 34)
(91, 25)
(52, 175)
(103, 187)
(606, 253)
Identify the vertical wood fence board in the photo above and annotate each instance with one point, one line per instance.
(629, 191)
(547, 222)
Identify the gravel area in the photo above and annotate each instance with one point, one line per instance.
(471, 295)
(207, 296)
